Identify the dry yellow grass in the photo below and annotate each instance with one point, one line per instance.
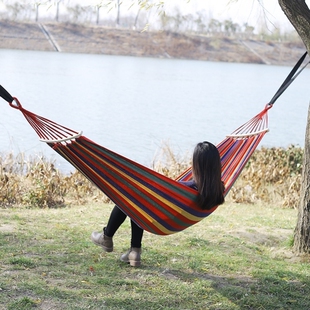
(273, 176)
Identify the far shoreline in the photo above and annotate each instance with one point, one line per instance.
(88, 39)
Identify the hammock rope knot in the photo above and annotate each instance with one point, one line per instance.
(16, 104)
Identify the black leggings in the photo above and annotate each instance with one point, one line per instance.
(116, 219)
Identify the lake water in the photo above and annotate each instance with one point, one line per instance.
(132, 105)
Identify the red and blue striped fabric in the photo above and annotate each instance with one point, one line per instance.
(155, 202)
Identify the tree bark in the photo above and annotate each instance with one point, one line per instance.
(118, 13)
(298, 14)
(302, 229)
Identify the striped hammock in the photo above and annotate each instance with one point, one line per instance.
(155, 202)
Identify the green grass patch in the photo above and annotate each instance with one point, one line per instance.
(238, 258)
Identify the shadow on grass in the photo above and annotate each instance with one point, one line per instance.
(266, 291)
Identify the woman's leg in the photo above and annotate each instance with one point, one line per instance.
(133, 255)
(136, 235)
(116, 219)
(104, 239)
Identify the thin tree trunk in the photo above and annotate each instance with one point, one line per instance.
(57, 11)
(37, 12)
(118, 13)
(298, 14)
(302, 230)
(97, 14)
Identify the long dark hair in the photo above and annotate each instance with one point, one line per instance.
(207, 170)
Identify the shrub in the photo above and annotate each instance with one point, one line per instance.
(272, 175)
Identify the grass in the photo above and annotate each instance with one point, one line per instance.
(238, 258)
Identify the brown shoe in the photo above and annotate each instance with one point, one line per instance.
(102, 240)
(132, 257)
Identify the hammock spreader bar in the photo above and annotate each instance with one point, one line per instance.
(156, 203)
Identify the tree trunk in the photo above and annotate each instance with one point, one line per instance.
(97, 14)
(298, 14)
(302, 230)
(118, 13)
(37, 12)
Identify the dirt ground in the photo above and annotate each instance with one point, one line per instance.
(77, 38)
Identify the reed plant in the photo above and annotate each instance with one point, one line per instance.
(272, 175)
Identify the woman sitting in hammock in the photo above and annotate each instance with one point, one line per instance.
(206, 167)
